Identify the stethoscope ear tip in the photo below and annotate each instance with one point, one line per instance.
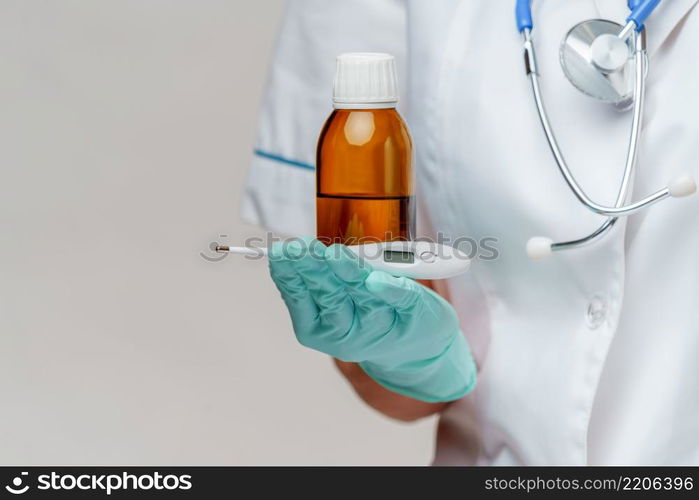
(682, 186)
(539, 248)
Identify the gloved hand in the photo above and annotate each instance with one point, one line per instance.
(403, 335)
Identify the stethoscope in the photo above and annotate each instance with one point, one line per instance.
(596, 58)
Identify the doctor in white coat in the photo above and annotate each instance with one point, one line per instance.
(590, 356)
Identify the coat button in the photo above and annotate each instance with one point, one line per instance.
(597, 310)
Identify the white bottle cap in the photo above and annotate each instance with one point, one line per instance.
(365, 80)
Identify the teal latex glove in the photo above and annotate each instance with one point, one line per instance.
(403, 335)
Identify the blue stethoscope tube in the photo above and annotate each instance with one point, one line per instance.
(640, 10)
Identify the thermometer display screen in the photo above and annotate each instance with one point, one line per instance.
(396, 257)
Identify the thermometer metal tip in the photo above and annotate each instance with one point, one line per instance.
(254, 252)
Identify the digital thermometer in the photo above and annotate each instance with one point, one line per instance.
(413, 259)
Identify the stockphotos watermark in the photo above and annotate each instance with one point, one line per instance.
(18, 486)
(100, 483)
(484, 248)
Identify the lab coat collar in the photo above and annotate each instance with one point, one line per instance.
(661, 23)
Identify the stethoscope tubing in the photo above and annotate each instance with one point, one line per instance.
(640, 10)
(558, 155)
(641, 65)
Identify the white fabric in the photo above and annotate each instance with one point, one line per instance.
(590, 356)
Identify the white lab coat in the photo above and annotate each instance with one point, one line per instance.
(591, 356)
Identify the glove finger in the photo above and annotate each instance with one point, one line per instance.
(328, 291)
(401, 293)
(307, 259)
(372, 313)
(283, 273)
(353, 272)
(315, 325)
(302, 308)
(346, 264)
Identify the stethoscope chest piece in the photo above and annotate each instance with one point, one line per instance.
(598, 63)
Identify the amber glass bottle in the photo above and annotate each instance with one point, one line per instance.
(364, 176)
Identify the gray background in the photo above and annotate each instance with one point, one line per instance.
(125, 132)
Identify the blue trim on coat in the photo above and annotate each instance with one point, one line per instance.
(281, 159)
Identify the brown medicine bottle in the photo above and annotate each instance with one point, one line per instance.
(364, 176)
